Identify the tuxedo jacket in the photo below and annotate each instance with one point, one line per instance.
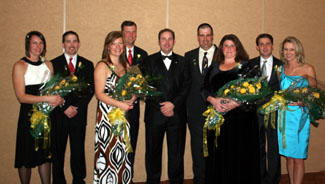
(195, 103)
(174, 85)
(138, 56)
(84, 70)
(274, 82)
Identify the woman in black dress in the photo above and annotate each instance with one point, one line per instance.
(28, 75)
(235, 160)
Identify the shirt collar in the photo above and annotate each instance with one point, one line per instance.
(210, 50)
(169, 54)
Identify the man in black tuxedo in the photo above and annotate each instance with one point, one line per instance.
(135, 56)
(265, 64)
(70, 119)
(195, 103)
(166, 113)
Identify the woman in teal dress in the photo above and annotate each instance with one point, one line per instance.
(297, 124)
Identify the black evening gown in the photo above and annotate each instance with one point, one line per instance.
(236, 159)
(25, 145)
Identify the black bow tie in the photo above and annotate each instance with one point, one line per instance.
(169, 57)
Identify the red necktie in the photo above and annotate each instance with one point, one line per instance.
(71, 67)
(130, 57)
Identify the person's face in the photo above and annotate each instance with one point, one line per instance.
(129, 34)
(166, 42)
(36, 46)
(289, 51)
(71, 44)
(116, 48)
(205, 38)
(265, 47)
(229, 49)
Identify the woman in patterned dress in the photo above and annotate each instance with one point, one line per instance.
(111, 159)
(29, 73)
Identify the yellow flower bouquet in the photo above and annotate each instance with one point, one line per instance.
(132, 83)
(40, 121)
(311, 99)
(245, 90)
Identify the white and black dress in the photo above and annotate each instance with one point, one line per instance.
(36, 74)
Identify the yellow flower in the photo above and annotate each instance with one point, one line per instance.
(129, 84)
(232, 87)
(304, 90)
(66, 84)
(132, 78)
(226, 91)
(296, 91)
(123, 92)
(250, 86)
(79, 64)
(242, 90)
(139, 76)
(139, 88)
(74, 78)
(62, 82)
(57, 88)
(316, 95)
(139, 55)
(251, 90)
(258, 85)
(245, 84)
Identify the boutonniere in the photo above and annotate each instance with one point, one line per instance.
(277, 68)
(194, 62)
(80, 65)
(112, 67)
(176, 62)
(42, 58)
(238, 66)
(139, 56)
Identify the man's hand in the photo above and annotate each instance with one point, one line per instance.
(71, 111)
(167, 109)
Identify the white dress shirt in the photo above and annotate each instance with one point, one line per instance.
(167, 61)
(209, 56)
(268, 65)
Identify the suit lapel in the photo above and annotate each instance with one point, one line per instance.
(135, 56)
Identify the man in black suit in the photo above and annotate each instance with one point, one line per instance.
(166, 113)
(195, 103)
(70, 119)
(135, 56)
(265, 63)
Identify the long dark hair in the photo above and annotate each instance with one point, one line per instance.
(110, 38)
(27, 42)
(241, 54)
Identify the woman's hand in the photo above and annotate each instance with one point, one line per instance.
(126, 105)
(223, 104)
(55, 100)
(295, 103)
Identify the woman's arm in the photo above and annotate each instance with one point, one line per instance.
(100, 75)
(311, 75)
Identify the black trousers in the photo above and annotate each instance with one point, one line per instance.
(63, 127)
(270, 172)
(133, 118)
(175, 133)
(196, 130)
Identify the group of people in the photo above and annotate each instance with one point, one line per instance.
(189, 84)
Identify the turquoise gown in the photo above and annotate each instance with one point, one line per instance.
(297, 124)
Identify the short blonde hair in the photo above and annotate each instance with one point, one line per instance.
(300, 54)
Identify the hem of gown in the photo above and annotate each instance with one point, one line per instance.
(293, 156)
(18, 165)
